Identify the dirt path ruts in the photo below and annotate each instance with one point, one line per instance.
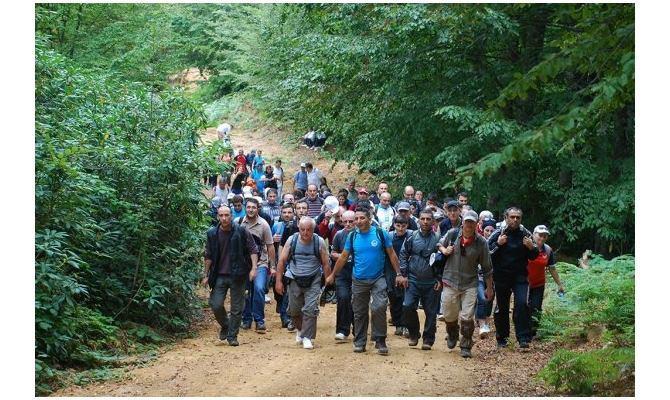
(272, 365)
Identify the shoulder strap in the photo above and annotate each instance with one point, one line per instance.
(382, 237)
(352, 237)
(294, 243)
(316, 243)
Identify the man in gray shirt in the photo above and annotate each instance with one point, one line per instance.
(465, 251)
(305, 254)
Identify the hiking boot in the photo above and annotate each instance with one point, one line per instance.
(359, 349)
(260, 327)
(307, 344)
(284, 324)
(290, 326)
(426, 346)
(413, 341)
(381, 347)
(246, 325)
(467, 330)
(452, 334)
(223, 333)
(398, 331)
(465, 352)
(524, 345)
(233, 342)
(501, 343)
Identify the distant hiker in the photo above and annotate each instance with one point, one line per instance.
(314, 176)
(309, 139)
(453, 219)
(384, 213)
(368, 246)
(279, 178)
(254, 305)
(231, 257)
(319, 139)
(351, 189)
(424, 281)
(240, 160)
(536, 276)
(484, 306)
(238, 179)
(362, 199)
(269, 178)
(304, 259)
(466, 252)
(250, 159)
(223, 131)
(271, 205)
(314, 202)
(462, 198)
(383, 187)
(300, 178)
(511, 248)
(238, 209)
(403, 209)
(343, 281)
(221, 189)
(287, 220)
(259, 161)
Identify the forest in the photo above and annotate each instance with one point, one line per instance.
(529, 105)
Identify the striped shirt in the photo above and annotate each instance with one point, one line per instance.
(314, 206)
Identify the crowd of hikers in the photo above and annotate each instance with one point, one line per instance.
(366, 252)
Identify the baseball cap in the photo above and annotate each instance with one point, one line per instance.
(488, 222)
(541, 229)
(403, 205)
(453, 203)
(470, 216)
(303, 165)
(363, 189)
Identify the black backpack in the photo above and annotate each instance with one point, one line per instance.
(294, 243)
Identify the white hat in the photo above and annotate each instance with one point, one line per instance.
(541, 229)
(302, 165)
(230, 196)
(470, 216)
(259, 198)
(331, 203)
(248, 195)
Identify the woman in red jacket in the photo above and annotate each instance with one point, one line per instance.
(536, 276)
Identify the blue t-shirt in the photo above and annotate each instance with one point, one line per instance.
(257, 175)
(300, 180)
(369, 256)
(236, 215)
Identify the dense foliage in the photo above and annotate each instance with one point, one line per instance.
(520, 104)
(599, 307)
(117, 213)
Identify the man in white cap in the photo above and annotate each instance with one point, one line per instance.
(300, 178)
(536, 276)
(465, 252)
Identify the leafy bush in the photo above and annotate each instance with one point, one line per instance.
(118, 214)
(599, 306)
(585, 373)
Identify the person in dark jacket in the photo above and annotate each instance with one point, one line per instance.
(511, 248)
(424, 283)
(397, 294)
(231, 256)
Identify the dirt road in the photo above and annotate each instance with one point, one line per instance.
(272, 365)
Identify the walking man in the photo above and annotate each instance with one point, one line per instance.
(254, 304)
(306, 255)
(231, 258)
(511, 248)
(466, 252)
(345, 313)
(424, 283)
(368, 246)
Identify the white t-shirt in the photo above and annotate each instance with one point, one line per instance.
(385, 217)
(279, 174)
(223, 130)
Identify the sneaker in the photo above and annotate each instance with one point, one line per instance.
(465, 353)
(484, 331)
(405, 333)
(398, 331)
(340, 336)
(413, 342)
(307, 344)
(381, 347)
(260, 327)
(524, 345)
(501, 343)
(298, 338)
(440, 317)
(246, 325)
(233, 342)
(426, 346)
(268, 300)
(290, 327)
(359, 349)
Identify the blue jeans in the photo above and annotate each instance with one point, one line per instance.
(345, 311)
(484, 307)
(283, 307)
(254, 303)
(430, 299)
(521, 315)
